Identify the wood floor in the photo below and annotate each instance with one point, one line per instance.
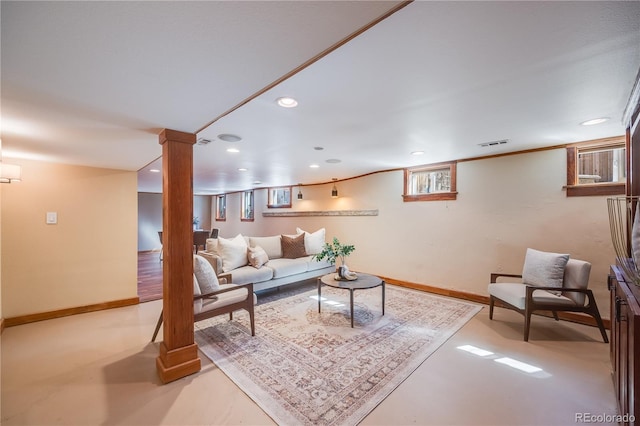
(149, 276)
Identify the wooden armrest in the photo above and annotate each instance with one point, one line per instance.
(212, 294)
(495, 275)
(226, 277)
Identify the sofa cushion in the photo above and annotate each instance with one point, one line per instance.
(285, 267)
(271, 245)
(293, 247)
(313, 265)
(249, 274)
(257, 256)
(233, 254)
(313, 242)
(544, 269)
(205, 275)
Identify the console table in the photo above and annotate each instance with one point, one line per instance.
(625, 345)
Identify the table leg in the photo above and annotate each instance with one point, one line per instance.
(319, 291)
(383, 297)
(351, 293)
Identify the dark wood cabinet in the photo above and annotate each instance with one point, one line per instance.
(625, 345)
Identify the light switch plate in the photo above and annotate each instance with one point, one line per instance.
(52, 218)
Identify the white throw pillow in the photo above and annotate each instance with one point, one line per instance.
(313, 242)
(544, 268)
(233, 254)
(257, 256)
(205, 275)
(212, 243)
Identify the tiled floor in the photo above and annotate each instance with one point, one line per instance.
(99, 368)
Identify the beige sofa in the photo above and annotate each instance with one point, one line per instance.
(270, 261)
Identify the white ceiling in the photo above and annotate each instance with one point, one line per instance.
(93, 83)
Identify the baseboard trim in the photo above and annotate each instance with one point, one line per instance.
(25, 319)
(478, 298)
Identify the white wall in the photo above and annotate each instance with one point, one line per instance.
(150, 218)
(88, 258)
(504, 205)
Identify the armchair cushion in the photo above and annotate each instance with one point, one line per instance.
(222, 299)
(204, 275)
(544, 269)
(515, 294)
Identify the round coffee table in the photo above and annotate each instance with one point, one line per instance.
(363, 282)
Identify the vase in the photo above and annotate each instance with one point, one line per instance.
(343, 271)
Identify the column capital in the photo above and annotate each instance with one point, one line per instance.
(167, 135)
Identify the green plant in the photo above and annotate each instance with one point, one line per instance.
(335, 250)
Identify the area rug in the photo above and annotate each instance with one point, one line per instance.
(309, 368)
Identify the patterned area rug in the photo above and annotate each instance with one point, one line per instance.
(305, 367)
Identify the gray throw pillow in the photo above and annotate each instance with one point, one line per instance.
(205, 275)
(544, 268)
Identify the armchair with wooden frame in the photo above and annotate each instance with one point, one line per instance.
(572, 296)
(216, 295)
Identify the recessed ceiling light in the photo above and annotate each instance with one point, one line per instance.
(234, 150)
(242, 169)
(333, 161)
(318, 148)
(417, 153)
(228, 137)
(154, 171)
(595, 121)
(314, 166)
(257, 182)
(287, 102)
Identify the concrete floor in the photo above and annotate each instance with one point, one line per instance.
(99, 368)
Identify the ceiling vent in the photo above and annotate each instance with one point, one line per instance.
(203, 141)
(494, 143)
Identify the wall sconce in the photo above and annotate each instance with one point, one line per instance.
(10, 173)
(299, 191)
(334, 190)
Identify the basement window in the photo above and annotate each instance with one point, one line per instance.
(221, 207)
(246, 207)
(435, 182)
(279, 197)
(597, 168)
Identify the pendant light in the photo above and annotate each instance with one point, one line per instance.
(334, 190)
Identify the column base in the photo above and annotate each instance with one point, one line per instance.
(177, 363)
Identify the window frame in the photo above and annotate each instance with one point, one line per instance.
(221, 213)
(452, 194)
(249, 217)
(576, 189)
(272, 195)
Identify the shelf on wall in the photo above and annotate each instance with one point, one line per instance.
(322, 213)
